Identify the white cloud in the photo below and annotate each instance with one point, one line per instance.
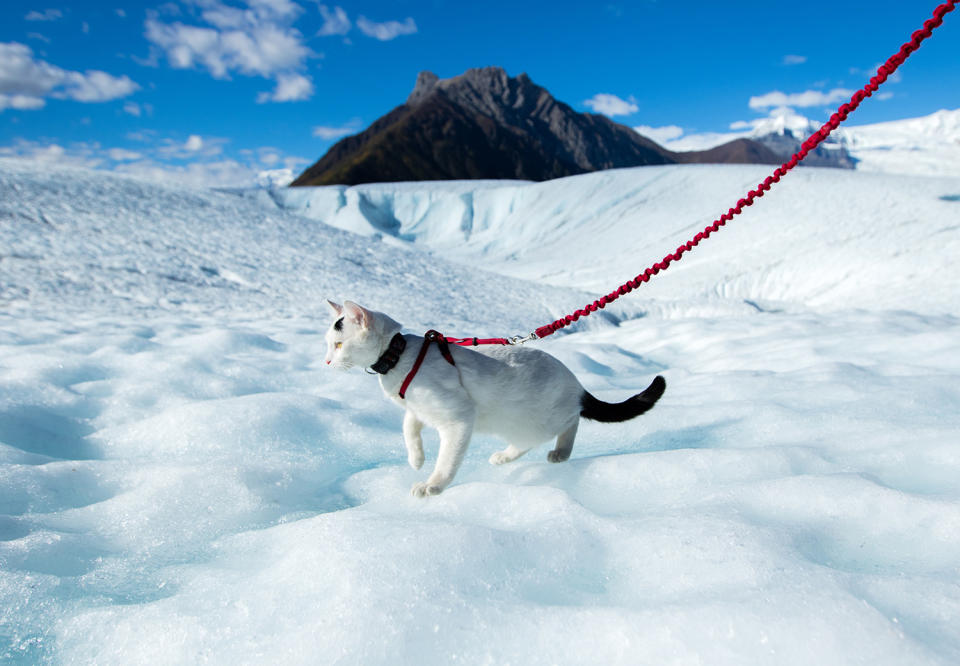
(21, 74)
(328, 133)
(611, 105)
(45, 15)
(802, 99)
(20, 102)
(195, 146)
(123, 155)
(794, 59)
(269, 157)
(660, 134)
(138, 110)
(334, 22)
(286, 9)
(258, 40)
(80, 154)
(219, 173)
(776, 118)
(154, 161)
(94, 86)
(223, 173)
(26, 81)
(387, 30)
(291, 87)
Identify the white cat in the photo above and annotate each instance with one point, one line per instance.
(522, 395)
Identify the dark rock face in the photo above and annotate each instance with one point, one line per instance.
(484, 124)
(738, 151)
(827, 154)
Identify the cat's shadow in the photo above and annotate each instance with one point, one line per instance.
(530, 472)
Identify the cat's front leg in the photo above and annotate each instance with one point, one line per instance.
(412, 426)
(454, 439)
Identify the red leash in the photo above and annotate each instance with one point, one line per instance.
(812, 142)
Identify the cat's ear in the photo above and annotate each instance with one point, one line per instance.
(337, 309)
(360, 316)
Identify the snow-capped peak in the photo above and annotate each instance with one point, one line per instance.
(780, 122)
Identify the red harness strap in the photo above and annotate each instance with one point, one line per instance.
(430, 336)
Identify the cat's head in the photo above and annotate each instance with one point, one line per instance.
(357, 336)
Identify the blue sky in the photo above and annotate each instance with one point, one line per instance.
(216, 91)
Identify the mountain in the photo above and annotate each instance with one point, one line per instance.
(924, 146)
(484, 124)
(785, 133)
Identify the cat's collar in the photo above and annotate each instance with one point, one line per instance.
(389, 358)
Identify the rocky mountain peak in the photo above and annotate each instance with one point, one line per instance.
(486, 90)
(486, 124)
(426, 84)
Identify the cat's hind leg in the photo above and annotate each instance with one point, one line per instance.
(561, 451)
(509, 454)
(412, 426)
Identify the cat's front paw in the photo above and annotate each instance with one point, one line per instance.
(415, 459)
(425, 490)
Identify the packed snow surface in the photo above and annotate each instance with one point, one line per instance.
(182, 480)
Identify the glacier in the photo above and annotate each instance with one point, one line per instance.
(183, 481)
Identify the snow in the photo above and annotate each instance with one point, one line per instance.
(182, 480)
(927, 146)
(830, 238)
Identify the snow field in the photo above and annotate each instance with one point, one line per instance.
(84, 242)
(183, 480)
(823, 238)
(251, 515)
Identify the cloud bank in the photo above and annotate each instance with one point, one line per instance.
(26, 82)
(258, 40)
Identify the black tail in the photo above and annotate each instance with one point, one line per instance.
(598, 410)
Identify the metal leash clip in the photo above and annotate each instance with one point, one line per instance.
(519, 340)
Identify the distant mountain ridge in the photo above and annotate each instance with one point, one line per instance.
(924, 146)
(484, 124)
